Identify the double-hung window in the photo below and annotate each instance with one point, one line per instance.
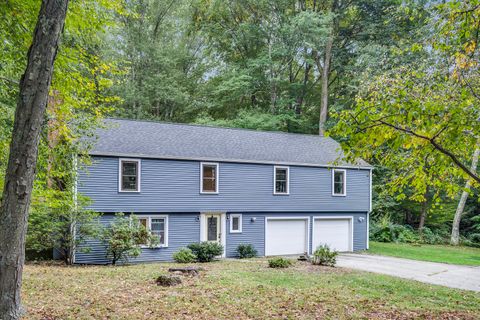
(339, 182)
(208, 177)
(281, 177)
(156, 226)
(235, 223)
(129, 175)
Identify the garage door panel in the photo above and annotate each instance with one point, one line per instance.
(336, 233)
(286, 236)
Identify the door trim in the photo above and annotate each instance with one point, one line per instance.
(288, 218)
(334, 218)
(223, 229)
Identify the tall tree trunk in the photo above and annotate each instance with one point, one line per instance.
(29, 116)
(455, 237)
(423, 213)
(324, 94)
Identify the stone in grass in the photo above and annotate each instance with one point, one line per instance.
(192, 271)
(168, 281)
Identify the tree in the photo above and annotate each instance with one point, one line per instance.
(32, 101)
(124, 237)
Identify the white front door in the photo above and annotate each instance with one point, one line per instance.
(286, 236)
(212, 227)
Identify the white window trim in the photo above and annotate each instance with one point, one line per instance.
(275, 181)
(217, 175)
(149, 226)
(139, 174)
(344, 183)
(240, 222)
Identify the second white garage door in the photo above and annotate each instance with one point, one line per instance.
(334, 232)
(286, 236)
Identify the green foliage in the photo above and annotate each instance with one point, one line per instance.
(124, 237)
(279, 263)
(184, 255)
(386, 231)
(246, 251)
(434, 236)
(206, 251)
(324, 256)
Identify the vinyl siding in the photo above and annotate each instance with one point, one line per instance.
(254, 232)
(174, 186)
(184, 228)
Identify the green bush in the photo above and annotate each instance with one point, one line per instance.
(184, 255)
(386, 231)
(324, 256)
(206, 251)
(437, 236)
(246, 251)
(279, 263)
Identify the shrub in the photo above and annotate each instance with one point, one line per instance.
(279, 263)
(246, 251)
(206, 251)
(386, 231)
(430, 236)
(184, 255)
(324, 256)
(123, 238)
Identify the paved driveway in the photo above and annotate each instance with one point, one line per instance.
(454, 276)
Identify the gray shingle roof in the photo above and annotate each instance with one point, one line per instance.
(146, 139)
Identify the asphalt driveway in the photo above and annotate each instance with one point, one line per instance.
(454, 276)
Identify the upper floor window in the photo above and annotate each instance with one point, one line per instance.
(157, 226)
(129, 175)
(339, 182)
(281, 180)
(235, 223)
(208, 177)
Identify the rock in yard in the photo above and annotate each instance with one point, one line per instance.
(168, 281)
(192, 271)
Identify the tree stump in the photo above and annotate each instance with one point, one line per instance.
(192, 271)
(168, 281)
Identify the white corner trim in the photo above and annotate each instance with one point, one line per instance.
(149, 218)
(139, 174)
(217, 175)
(333, 218)
(344, 194)
(240, 222)
(275, 180)
(287, 218)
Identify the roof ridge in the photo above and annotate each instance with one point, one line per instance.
(218, 127)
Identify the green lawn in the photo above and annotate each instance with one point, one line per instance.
(236, 290)
(436, 253)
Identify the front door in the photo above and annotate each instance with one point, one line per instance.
(213, 228)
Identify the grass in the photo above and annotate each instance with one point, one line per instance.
(235, 289)
(436, 253)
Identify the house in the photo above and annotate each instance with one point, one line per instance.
(283, 193)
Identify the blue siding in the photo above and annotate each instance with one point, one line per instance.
(183, 229)
(254, 232)
(173, 186)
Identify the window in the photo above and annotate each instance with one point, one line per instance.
(129, 175)
(280, 180)
(235, 223)
(157, 226)
(209, 177)
(339, 182)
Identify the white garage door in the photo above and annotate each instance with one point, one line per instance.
(285, 236)
(336, 233)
